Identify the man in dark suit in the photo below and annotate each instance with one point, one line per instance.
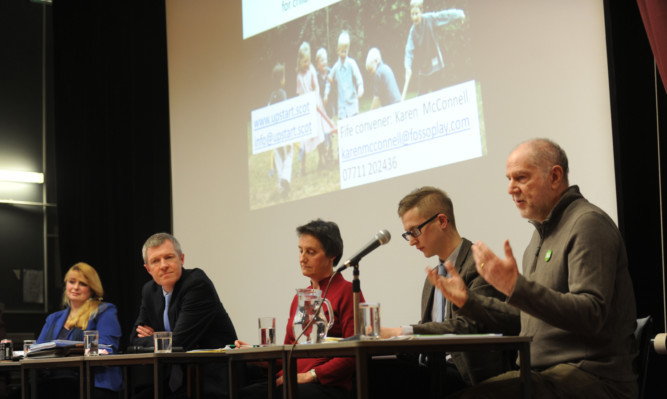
(427, 215)
(194, 314)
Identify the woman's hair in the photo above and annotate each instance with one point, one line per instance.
(88, 275)
(328, 234)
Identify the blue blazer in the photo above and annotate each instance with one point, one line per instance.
(106, 322)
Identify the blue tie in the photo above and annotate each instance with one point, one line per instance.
(165, 315)
(438, 310)
(439, 305)
(176, 377)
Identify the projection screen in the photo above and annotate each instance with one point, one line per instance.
(254, 156)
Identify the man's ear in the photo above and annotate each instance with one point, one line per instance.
(556, 175)
(444, 222)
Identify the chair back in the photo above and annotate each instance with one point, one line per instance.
(643, 333)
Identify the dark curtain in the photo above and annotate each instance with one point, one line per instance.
(112, 141)
(639, 125)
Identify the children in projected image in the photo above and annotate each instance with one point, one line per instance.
(385, 88)
(422, 50)
(322, 66)
(281, 158)
(323, 70)
(346, 79)
(306, 82)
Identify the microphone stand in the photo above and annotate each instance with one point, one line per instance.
(356, 295)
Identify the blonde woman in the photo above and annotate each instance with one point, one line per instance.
(84, 310)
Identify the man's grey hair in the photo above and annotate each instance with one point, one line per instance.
(546, 154)
(158, 239)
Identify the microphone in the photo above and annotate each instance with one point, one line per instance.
(382, 237)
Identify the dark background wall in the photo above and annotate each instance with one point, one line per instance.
(21, 115)
(112, 139)
(639, 109)
(112, 153)
(112, 157)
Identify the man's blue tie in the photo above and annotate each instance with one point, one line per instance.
(439, 305)
(176, 377)
(438, 310)
(165, 315)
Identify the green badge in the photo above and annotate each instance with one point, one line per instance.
(547, 257)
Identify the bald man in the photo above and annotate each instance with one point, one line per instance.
(575, 295)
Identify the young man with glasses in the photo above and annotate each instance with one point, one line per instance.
(427, 215)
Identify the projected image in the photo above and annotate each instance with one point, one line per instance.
(357, 92)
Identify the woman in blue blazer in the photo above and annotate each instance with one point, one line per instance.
(84, 310)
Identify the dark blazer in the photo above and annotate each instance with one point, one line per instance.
(196, 314)
(197, 319)
(474, 366)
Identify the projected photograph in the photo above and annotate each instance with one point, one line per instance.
(356, 93)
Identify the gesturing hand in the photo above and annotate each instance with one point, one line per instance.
(500, 273)
(452, 287)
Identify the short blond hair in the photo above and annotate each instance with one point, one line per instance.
(344, 40)
(321, 54)
(417, 4)
(428, 200)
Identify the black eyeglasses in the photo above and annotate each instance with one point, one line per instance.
(417, 231)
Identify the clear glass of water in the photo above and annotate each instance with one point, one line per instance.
(162, 341)
(267, 331)
(26, 345)
(370, 314)
(91, 343)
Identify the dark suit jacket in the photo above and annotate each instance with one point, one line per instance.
(197, 318)
(474, 366)
(196, 314)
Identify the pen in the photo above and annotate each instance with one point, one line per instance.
(240, 346)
